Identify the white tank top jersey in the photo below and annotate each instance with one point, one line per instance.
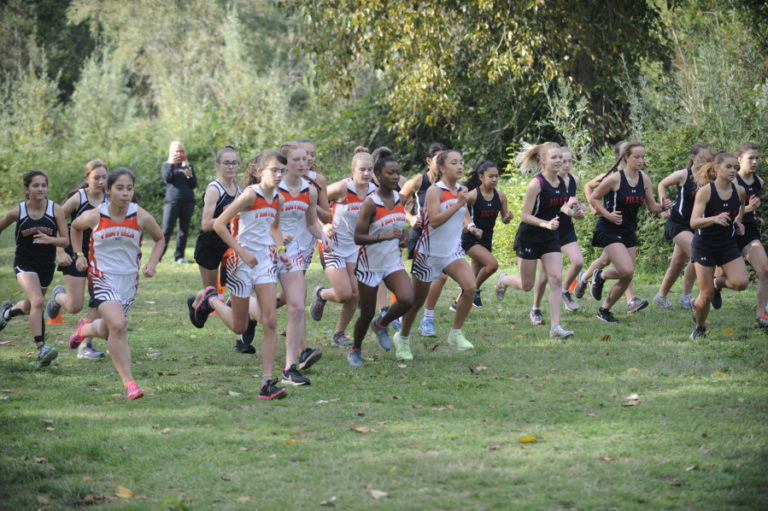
(378, 257)
(444, 239)
(344, 217)
(293, 216)
(115, 247)
(251, 227)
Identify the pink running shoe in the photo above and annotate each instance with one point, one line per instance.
(132, 391)
(204, 309)
(77, 338)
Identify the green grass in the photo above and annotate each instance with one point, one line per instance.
(445, 429)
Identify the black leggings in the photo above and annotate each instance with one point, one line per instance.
(181, 210)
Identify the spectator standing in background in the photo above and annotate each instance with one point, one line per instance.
(180, 180)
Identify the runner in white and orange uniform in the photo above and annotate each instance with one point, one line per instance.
(113, 264)
(255, 242)
(439, 251)
(347, 197)
(381, 233)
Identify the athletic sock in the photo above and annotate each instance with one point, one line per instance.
(12, 313)
(40, 339)
(429, 313)
(535, 309)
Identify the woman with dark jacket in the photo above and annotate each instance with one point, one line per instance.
(180, 180)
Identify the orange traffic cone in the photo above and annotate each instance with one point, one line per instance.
(55, 321)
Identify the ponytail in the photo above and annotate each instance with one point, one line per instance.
(473, 179)
(531, 155)
(698, 146)
(706, 173)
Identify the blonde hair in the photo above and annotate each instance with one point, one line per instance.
(288, 147)
(531, 156)
(706, 173)
(170, 150)
(361, 153)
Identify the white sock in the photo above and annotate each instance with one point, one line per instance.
(429, 314)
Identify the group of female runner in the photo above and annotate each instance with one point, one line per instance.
(253, 236)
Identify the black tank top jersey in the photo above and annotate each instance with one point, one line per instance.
(718, 234)
(548, 203)
(39, 255)
(683, 206)
(484, 214)
(627, 199)
(82, 208)
(752, 190)
(225, 199)
(566, 222)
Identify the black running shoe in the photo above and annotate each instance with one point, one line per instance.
(204, 308)
(192, 318)
(477, 302)
(4, 308)
(244, 347)
(308, 357)
(597, 285)
(606, 315)
(250, 332)
(292, 376)
(717, 300)
(700, 332)
(270, 390)
(581, 286)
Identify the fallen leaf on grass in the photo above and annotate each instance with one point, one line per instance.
(155, 426)
(49, 429)
(606, 337)
(328, 502)
(720, 373)
(606, 459)
(432, 454)
(321, 402)
(446, 407)
(47, 421)
(291, 441)
(494, 447)
(243, 500)
(363, 429)
(392, 470)
(676, 483)
(633, 370)
(527, 439)
(123, 492)
(87, 479)
(40, 460)
(695, 466)
(434, 346)
(272, 456)
(376, 494)
(234, 394)
(728, 331)
(92, 498)
(3, 343)
(42, 500)
(165, 431)
(226, 478)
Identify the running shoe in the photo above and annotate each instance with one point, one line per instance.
(77, 338)
(292, 376)
(318, 304)
(427, 327)
(560, 332)
(597, 285)
(581, 286)
(396, 325)
(243, 347)
(761, 321)
(382, 333)
(569, 303)
(717, 299)
(456, 338)
(191, 309)
(204, 308)
(685, 301)
(636, 305)
(355, 358)
(477, 301)
(402, 347)
(181, 260)
(453, 305)
(341, 340)
(52, 308)
(499, 289)
(606, 315)
(132, 391)
(308, 357)
(536, 317)
(85, 351)
(46, 354)
(663, 302)
(699, 332)
(270, 390)
(4, 308)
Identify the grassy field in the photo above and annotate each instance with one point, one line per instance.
(442, 432)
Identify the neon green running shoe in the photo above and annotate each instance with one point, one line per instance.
(456, 338)
(402, 347)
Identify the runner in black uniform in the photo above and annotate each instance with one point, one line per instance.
(716, 221)
(71, 295)
(678, 227)
(414, 196)
(615, 229)
(537, 236)
(484, 203)
(569, 245)
(40, 228)
(750, 243)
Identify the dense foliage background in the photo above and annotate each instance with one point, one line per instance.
(119, 80)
